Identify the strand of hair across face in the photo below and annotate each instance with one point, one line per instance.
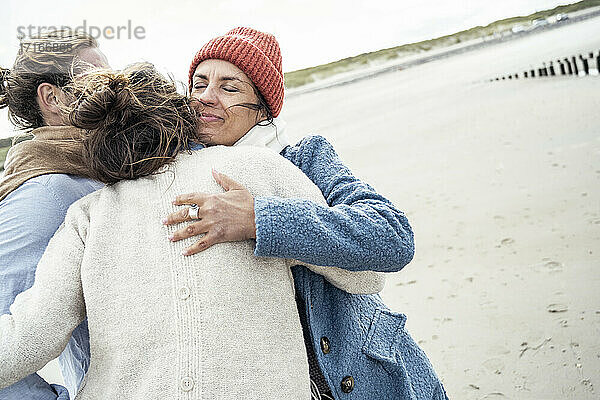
(315, 393)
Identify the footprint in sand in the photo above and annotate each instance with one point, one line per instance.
(499, 350)
(564, 323)
(549, 266)
(557, 308)
(553, 266)
(494, 365)
(407, 283)
(494, 395)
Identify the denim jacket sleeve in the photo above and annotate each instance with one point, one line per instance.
(360, 230)
(25, 230)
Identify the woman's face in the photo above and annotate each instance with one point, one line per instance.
(220, 88)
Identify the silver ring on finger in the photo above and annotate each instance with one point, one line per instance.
(193, 211)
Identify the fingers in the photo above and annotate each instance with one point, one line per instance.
(190, 198)
(226, 182)
(200, 245)
(177, 217)
(195, 229)
(184, 214)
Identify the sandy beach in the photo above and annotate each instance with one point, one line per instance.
(500, 182)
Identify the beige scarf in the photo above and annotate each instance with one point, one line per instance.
(54, 150)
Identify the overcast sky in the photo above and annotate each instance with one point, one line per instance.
(309, 32)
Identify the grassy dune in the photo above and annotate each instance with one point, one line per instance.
(5, 145)
(3, 151)
(308, 75)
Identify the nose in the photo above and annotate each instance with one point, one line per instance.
(207, 97)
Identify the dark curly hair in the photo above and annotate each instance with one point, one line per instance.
(135, 121)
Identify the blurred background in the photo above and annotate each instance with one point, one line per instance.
(428, 102)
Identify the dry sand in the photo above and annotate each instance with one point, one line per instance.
(500, 182)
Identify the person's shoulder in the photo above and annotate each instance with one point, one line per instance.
(61, 188)
(311, 142)
(68, 184)
(51, 192)
(240, 155)
(38, 190)
(245, 154)
(33, 210)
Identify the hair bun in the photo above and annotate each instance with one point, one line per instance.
(118, 82)
(135, 119)
(105, 101)
(118, 110)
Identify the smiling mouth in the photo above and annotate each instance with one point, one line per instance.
(207, 117)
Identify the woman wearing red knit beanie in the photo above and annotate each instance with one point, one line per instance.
(356, 347)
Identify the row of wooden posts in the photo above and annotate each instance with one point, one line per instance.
(577, 66)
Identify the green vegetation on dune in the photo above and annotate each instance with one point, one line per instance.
(312, 74)
(5, 145)
(3, 151)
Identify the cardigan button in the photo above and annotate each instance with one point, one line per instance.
(347, 384)
(187, 384)
(184, 293)
(325, 345)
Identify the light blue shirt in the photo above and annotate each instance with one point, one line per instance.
(29, 216)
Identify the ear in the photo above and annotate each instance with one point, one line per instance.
(47, 98)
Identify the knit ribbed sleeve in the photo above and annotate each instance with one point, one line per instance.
(42, 318)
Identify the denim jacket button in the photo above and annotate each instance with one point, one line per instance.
(325, 345)
(347, 384)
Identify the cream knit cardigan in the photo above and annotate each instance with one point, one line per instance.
(221, 324)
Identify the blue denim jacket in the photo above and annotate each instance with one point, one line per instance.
(360, 230)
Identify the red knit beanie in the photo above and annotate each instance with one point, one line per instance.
(256, 53)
